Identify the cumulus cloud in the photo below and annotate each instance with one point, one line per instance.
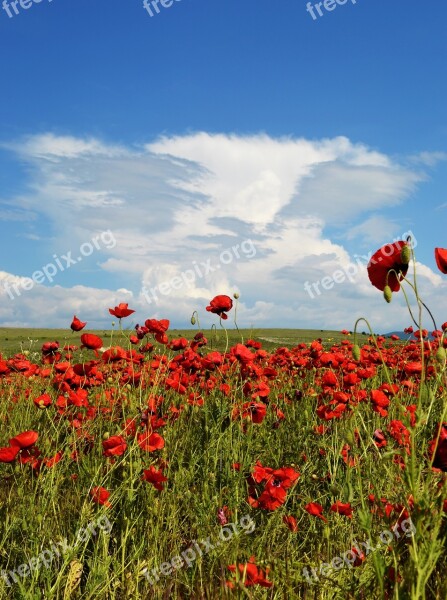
(179, 203)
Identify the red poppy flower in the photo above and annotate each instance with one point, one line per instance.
(121, 311)
(91, 342)
(272, 497)
(380, 402)
(284, 477)
(158, 328)
(100, 495)
(155, 477)
(220, 305)
(413, 368)
(261, 473)
(8, 453)
(291, 523)
(50, 462)
(43, 401)
(329, 379)
(379, 438)
(114, 446)
(250, 574)
(242, 353)
(255, 411)
(400, 433)
(77, 325)
(150, 441)
(25, 439)
(386, 259)
(316, 510)
(342, 509)
(360, 557)
(441, 259)
(50, 348)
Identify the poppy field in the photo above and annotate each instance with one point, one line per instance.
(147, 465)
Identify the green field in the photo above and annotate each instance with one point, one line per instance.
(13, 340)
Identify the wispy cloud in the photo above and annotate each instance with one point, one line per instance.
(181, 199)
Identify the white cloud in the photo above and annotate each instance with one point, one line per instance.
(181, 201)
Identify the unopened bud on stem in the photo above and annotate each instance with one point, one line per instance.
(441, 355)
(387, 293)
(405, 255)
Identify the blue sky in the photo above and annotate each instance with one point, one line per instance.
(213, 124)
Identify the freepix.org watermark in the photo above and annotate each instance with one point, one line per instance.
(61, 263)
(199, 270)
(153, 6)
(56, 550)
(354, 556)
(350, 271)
(11, 7)
(188, 556)
(328, 5)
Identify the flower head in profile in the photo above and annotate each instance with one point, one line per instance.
(121, 311)
(100, 496)
(388, 266)
(24, 440)
(76, 324)
(8, 453)
(250, 574)
(316, 510)
(155, 477)
(220, 305)
(91, 342)
(441, 259)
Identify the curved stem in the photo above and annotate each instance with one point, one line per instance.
(235, 320)
(226, 334)
(375, 343)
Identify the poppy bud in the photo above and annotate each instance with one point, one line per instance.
(356, 352)
(193, 320)
(441, 355)
(235, 295)
(349, 437)
(405, 255)
(387, 293)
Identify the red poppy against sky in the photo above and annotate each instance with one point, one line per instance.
(121, 311)
(76, 324)
(441, 259)
(384, 265)
(220, 305)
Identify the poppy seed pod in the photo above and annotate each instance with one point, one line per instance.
(356, 352)
(441, 355)
(236, 295)
(405, 255)
(387, 293)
